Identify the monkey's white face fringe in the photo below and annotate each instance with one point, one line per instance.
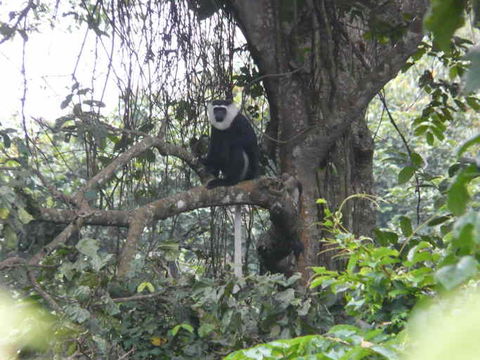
(232, 111)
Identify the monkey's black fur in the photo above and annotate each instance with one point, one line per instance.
(233, 148)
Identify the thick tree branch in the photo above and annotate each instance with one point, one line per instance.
(268, 193)
(392, 62)
(262, 192)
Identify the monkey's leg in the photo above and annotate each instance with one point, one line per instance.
(234, 171)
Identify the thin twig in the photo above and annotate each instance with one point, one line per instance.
(409, 151)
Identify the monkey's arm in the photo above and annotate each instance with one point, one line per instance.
(218, 153)
(243, 134)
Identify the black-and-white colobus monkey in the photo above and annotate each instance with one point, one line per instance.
(233, 148)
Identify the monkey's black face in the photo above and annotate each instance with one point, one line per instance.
(219, 113)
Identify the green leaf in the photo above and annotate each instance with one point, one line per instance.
(387, 352)
(458, 198)
(66, 102)
(467, 230)
(472, 76)
(473, 103)
(205, 329)
(468, 144)
(443, 19)
(406, 226)
(438, 220)
(88, 247)
(406, 174)
(77, 313)
(420, 130)
(352, 263)
(24, 216)
(385, 238)
(179, 327)
(145, 285)
(4, 213)
(420, 253)
(6, 140)
(451, 276)
(430, 138)
(417, 160)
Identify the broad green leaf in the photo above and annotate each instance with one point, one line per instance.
(88, 247)
(75, 312)
(438, 220)
(24, 216)
(458, 198)
(419, 254)
(468, 144)
(438, 133)
(417, 160)
(451, 276)
(385, 351)
(420, 130)
(385, 238)
(472, 76)
(406, 226)
(467, 228)
(179, 327)
(406, 174)
(443, 19)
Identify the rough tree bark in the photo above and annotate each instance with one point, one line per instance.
(320, 73)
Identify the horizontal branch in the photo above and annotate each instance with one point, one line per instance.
(263, 192)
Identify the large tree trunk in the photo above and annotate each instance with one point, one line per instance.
(320, 73)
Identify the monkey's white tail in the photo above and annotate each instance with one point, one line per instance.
(237, 257)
